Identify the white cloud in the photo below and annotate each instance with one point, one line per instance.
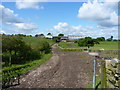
(22, 4)
(25, 26)
(91, 31)
(63, 27)
(112, 0)
(15, 23)
(60, 25)
(102, 13)
(8, 16)
(2, 32)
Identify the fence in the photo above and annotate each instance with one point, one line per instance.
(11, 76)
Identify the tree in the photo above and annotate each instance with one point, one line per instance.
(20, 35)
(43, 46)
(41, 34)
(13, 45)
(56, 39)
(115, 40)
(111, 38)
(87, 41)
(36, 35)
(49, 34)
(60, 35)
(7, 46)
(101, 39)
(96, 41)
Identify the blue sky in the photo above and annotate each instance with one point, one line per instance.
(70, 18)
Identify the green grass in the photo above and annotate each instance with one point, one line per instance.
(69, 45)
(106, 45)
(102, 45)
(34, 40)
(97, 81)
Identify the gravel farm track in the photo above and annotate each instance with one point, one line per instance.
(66, 69)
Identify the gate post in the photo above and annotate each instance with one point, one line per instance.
(103, 74)
(94, 73)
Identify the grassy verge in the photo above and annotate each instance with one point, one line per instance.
(97, 82)
(26, 67)
(68, 49)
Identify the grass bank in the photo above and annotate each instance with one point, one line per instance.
(34, 40)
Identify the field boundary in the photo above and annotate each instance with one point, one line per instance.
(85, 49)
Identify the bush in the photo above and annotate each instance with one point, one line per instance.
(56, 39)
(101, 39)
(87, 41)
(16, 51)
(43, 46)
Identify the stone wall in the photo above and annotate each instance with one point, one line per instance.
(113, 73)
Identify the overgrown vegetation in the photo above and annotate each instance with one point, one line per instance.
(14, 71)
(21, 54)
(17, 51)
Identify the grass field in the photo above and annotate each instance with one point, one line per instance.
(113, 46)
(102, 45)
(34, 40)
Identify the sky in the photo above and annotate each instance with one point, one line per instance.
(91, 18)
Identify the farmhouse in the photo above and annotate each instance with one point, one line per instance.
(74, 37)
(64, 38)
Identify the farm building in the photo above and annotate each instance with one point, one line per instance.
(64, 38)
(40, 35)
(49, 36)
(74, 37)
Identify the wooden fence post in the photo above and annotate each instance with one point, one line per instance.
(119, 72)
(103, 75)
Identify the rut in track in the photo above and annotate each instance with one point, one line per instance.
(63, 70)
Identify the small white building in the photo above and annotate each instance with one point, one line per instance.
(49, 36)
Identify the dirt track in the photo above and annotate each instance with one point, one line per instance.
(63, 70)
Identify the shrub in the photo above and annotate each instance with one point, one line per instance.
(87, 41)
(15, 50)
(43, 46)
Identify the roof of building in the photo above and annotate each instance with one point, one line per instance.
(64, 37)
